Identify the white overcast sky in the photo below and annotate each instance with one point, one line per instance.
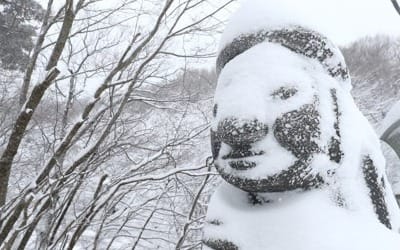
(344, 21)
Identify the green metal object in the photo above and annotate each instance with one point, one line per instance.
(392, 137)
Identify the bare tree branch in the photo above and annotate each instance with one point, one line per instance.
(396, 6)
(20, 125)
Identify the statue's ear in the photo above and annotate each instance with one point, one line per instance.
(334, 150)
(377, 190)
(215, 144)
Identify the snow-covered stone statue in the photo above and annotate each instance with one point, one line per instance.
(302, 167)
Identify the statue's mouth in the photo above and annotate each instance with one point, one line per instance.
(239, 154)
(242, 164)
(237, 158)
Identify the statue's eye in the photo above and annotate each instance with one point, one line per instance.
(284, 92)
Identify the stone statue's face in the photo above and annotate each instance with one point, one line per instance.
(266, 126)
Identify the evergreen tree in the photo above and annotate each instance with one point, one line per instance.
(17, 31)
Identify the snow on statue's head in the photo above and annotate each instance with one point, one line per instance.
(284, 120)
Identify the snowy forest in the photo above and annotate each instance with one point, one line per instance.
(105, 110)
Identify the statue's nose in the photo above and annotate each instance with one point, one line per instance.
(234, 131)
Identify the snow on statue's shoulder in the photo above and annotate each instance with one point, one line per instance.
(294, 220)
(302, 166)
